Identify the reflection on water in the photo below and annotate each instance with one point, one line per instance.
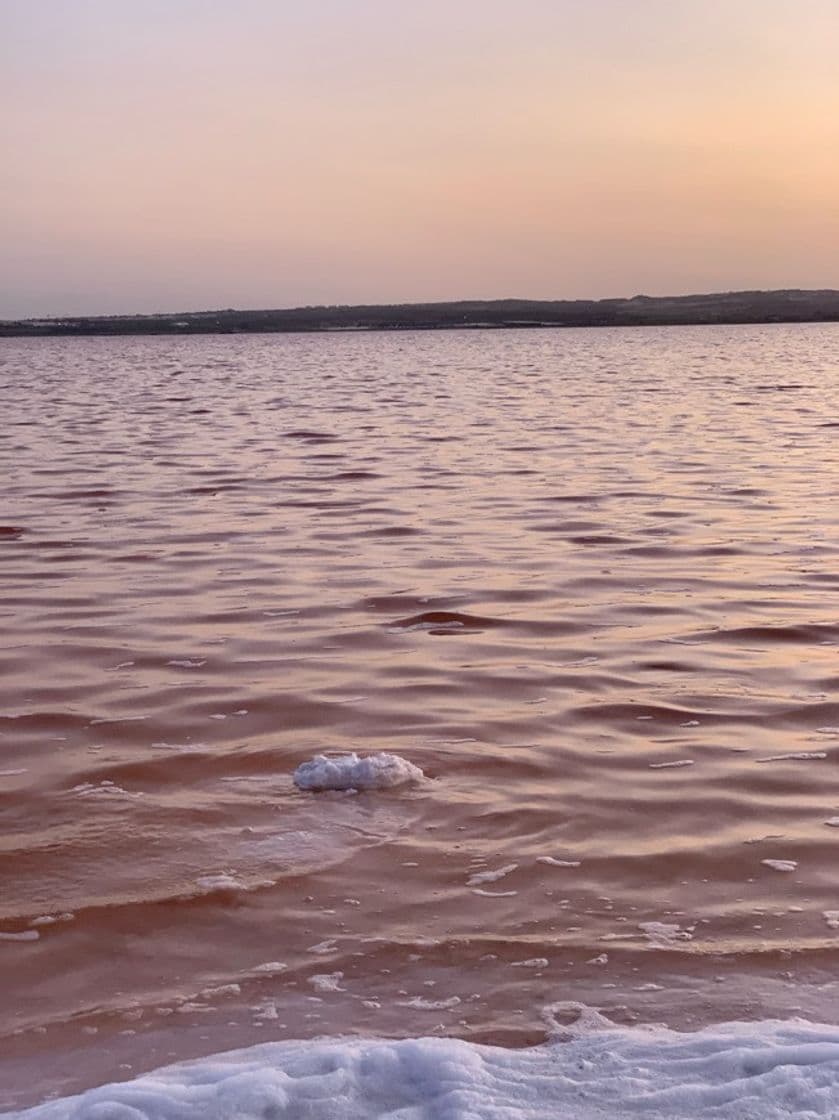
(587, 581)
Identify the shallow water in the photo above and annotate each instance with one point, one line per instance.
(586, 580)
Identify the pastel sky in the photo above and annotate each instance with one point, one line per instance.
(188, 154)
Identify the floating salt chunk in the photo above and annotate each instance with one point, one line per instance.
(270, 967)
(832, 918)
(602, 959)
(780, 864)
(13, 773)
(551, 862)
(327, 982)
(23, 935)
(349, 771)
(833, 822)
(494, 894)
(795, 756)
(490, 876)
(186, 663)
(827, 730)
(533, 962)
(671, 765)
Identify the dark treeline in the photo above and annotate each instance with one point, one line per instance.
(793, 306)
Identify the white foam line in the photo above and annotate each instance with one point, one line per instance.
(796, 756)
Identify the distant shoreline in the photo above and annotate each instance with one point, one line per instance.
(725, 308)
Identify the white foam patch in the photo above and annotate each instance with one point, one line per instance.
(220, 881)
(490, 876)
(738, 1071)
(349, 771)
(671, 765)
(795, 756)
(551, 862)
(663, 934)
(421, 1004)
(104, 790)
(780, 864)
(327, 982)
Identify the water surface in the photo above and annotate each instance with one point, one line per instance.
(587, 580)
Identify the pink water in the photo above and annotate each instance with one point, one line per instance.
(587, 580)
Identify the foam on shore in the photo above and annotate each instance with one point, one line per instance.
(747, 1071)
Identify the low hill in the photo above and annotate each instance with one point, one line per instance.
(792, 306)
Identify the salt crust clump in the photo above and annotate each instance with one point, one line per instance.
(349, 771)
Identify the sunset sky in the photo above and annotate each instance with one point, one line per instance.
(186, 154)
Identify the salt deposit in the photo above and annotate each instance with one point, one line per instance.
(780, 864)
(349, 771)
(739, 1071)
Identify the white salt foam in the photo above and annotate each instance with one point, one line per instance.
(327, 982)
(738, 1071)
(551, 862)
(490, 876)
(796, 756)
(663, 934)
(780, 864)
(349, 771)
(421, 1004)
